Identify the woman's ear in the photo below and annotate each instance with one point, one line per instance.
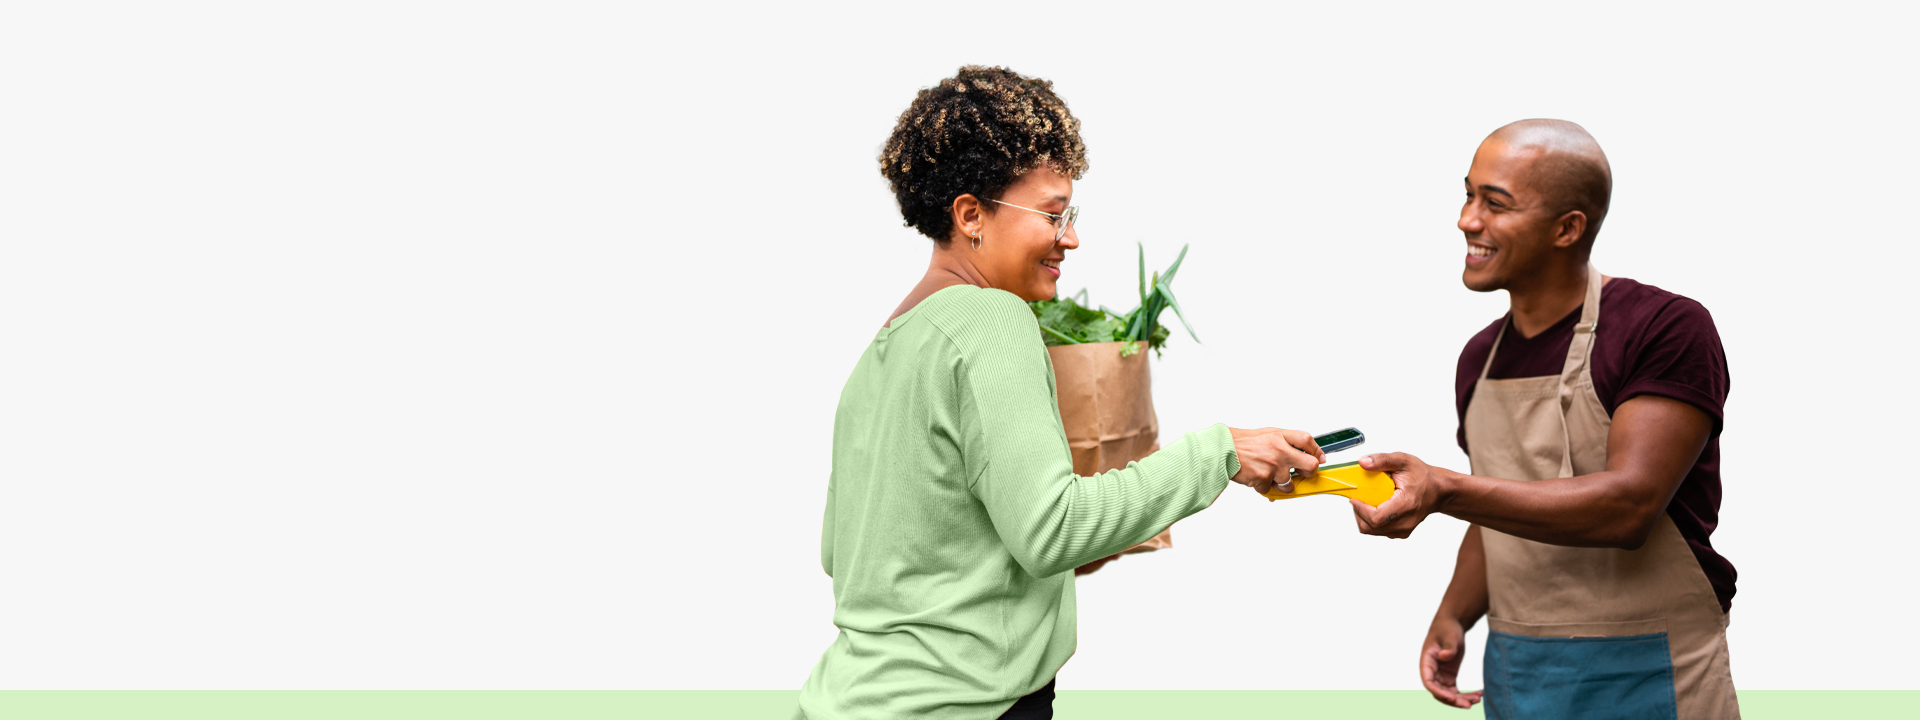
(966, 217)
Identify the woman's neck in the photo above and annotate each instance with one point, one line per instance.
(945, 270)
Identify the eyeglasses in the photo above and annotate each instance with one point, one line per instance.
(1060, 222)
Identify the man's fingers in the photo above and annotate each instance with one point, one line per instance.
(1397, 504)
(1360, 514)
(1384, 520)
(1385, 462)
(1432, 683)
(1372, 520)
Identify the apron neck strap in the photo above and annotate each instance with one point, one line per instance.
(1575, 376)
(1582, 344)
(1502, 335)
(1582, 334)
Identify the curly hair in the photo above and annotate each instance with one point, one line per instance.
(976, 133)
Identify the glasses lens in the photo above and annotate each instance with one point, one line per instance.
(1066, 221)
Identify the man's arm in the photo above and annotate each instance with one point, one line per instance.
(1464, 604)
(1652, 445)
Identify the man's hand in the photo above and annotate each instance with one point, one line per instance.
(1267, 454)
(1418, 490)
(1440, 662)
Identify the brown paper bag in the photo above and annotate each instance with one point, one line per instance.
(1106, 404)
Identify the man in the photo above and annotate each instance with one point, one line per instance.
(1591, 414)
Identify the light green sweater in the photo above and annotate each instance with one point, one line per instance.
(954, 519)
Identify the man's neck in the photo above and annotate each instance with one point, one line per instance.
(1554, 295)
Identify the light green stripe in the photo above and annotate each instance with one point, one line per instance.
(631, 704)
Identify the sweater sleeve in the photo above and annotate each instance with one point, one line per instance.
(826, 532)
(1019, 467)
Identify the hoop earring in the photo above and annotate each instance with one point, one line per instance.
(976, 242)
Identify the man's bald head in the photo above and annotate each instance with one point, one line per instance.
(1570, 170)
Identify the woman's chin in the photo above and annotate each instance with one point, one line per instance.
(1045, 289)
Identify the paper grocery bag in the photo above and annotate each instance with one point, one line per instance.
(1106, 404)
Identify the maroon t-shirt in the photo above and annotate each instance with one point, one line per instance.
(1648, 342)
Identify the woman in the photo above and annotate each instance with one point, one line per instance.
(953, 517)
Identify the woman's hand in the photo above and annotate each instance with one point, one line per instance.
(1268, 454)
(1440, 662)
(1096, 565)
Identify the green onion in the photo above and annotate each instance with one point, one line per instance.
(1069, 320)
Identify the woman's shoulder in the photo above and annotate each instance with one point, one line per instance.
(977, 318)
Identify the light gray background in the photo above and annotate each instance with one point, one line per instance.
(407, 345)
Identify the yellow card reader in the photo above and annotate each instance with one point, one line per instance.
(1347, 479)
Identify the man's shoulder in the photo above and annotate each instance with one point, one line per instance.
(1652, 309)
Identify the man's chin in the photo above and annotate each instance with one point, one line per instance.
(1479, 281)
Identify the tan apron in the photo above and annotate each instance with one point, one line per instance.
(1579, 632)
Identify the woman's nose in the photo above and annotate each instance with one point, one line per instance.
(1071, 240)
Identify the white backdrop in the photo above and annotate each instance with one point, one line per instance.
(405, 345)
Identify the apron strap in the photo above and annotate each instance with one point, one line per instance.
(1502, 335)
(1582, 336)
(1575, 375)
(1582, 344)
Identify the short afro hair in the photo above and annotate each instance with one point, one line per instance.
(976, 133)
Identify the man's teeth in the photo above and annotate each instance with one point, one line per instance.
(1477, 251)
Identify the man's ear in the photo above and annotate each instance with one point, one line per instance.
(966, 217)
(1571, 226)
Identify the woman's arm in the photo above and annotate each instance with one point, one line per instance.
(1019, 466)
(1053, 521)
(826, 532)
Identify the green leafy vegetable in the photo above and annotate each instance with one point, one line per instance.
(1069, 320)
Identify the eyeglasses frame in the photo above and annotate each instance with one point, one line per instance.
(1061, 221)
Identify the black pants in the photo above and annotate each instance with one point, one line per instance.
(1037, 706)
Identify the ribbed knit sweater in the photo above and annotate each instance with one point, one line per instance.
(954, 519)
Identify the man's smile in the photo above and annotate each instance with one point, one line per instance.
(1479, 254)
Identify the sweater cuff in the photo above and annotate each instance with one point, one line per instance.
(1221, 438)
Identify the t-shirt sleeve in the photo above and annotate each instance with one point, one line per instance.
(1680, 356)
(1019, 467)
